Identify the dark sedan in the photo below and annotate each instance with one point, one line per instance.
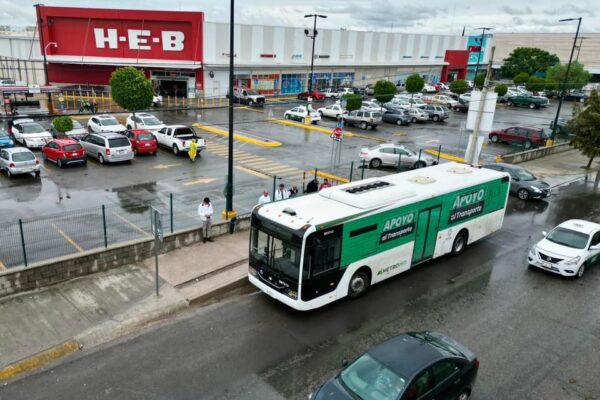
(411, 366)
(396, 116)
(523, 183)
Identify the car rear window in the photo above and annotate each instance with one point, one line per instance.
(183, 132)
(145, 136)
(72, 147)
(118, 142)
(23, 156)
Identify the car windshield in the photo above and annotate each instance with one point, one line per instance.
(23, 156)
(145, 136)
(568, 237)
(118, 142)
(32, 127)
(252, 93)
(183, 132)
(369, 379)
(76, 124)
(151, 121)
(72, 147)
(109, 122)
(524, 175)
(276, 254)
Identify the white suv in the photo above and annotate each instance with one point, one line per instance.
(104, 123)
(144, 120)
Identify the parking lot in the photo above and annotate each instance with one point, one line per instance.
(61, 212)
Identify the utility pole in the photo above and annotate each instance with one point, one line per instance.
(581, 39)
(313, 37)
(473, 157)
(483, 29)
(229, 213)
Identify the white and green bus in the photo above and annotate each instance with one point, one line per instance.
(312, 250)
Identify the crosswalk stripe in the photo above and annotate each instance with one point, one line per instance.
(265, 164)
(282, 169)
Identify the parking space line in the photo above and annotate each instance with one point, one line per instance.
(134, 226)
(255, 173)
(251, 109)
(68, 239)
(2, 266)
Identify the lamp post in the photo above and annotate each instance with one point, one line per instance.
(313, 37)
(53, 44)
(581, 39)
(229, 213)
(483, 29)
(565, 80)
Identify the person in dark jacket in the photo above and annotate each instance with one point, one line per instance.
(313, 186)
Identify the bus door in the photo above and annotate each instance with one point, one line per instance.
(322, 258)
(427, 228)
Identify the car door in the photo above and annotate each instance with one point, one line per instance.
(593, 257)
(509, 134)
(4, 159)
(420, 388)
(161, 135)
(447, 380)
(388, 156)
(52, 151)
(405, 158)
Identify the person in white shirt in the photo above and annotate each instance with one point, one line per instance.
(265, 198)
(205, 211)
(281, 193)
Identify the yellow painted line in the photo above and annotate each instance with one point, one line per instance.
(237, 136)
(251, 109)
(199, 181)
(134, 226)
(248, 157)
(330, 176)
(374, 138)
(445, 156)
(165, 166)
(68, 238)
(2, 266)
(39, 360)
(282, 169)
(255, 173)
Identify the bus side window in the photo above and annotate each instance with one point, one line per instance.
(326, 255)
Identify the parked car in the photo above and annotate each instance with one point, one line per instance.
(372, 106)
(18, 161)
(465, 98)
(77, 132)
(428, 88)
(461, 107)
(363, 119)
(527, 136)
(142, 141)
(411, 366)
(398, 102)
(442, 100)
(417, 115)
(414, 101)
(524, 100)
(435, 113)
(359, 90)
(391, 154)
(369, 90)
(344, 90)
(398, 116)
(576, 95)
(315, 95)
(144, 120)
(299, 113)
(178, 138)
(107, 147)
(105, 123)
(5, 140)
(567, 250)
(523, 183)
(64, 152)
(331, 93)
(333, 111)
(29, 133)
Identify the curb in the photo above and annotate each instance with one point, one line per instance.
(40, 359)
(330, 176)
(237, 136)
(445, 156)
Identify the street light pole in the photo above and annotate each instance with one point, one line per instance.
(581, 39)
(483, 29)
(313, 37)
(562, 89)
(229, 212)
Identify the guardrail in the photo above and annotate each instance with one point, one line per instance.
(533, 154)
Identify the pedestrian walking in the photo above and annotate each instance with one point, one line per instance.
(281, 193)
(325, 184)
(293, 191)
(193, 151)
(205, 211)
(264, 198)
(313, 186)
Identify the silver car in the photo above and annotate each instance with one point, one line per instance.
(393, 155)
(19, 160)
(107, 147)
(363, 119)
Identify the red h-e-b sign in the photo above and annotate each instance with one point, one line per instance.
(336, 134)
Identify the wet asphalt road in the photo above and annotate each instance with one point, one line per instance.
(537, 335)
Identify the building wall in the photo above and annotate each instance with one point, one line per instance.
(20, 59)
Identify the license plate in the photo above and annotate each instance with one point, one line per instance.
(147, 145)
(74, 154)
(121, 152)
(546, 264)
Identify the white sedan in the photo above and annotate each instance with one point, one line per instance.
(105, 123)
(443, 100)
(333, 111)
(465, 98)
(144, 120)
(29, 133)
(300, 112)
(567, 249)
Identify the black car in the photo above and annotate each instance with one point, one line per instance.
(411, 366)
(396, 116)
(576, 95)
(523, 183)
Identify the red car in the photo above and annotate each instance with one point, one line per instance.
(64, 152)
(527, 136)
(142, 141)
(315, 94)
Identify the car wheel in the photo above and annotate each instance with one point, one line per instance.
(37, 174)
(9, 174)
(375, 163)
(359, 283)
(287, 116)
(175, 150)
(531, 106)
(509, 103)
(464, 395)
(100, 158)
(523, 194)
(321, 114)
(413, 120)
(494, 138)
(436, 118)
(363, 125)
(250, 102)
(419, 164)
(460, 243)
(399, 122)
(59, 163)
(527, 144)
(580, 271)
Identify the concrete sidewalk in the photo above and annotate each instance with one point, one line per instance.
(559, 168)
(41, 326)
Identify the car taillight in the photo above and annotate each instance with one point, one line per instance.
(107, 152)
(476, 363)
(11, 165)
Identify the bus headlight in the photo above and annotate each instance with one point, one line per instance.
(293, 294)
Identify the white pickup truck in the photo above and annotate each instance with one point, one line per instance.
(178, 138)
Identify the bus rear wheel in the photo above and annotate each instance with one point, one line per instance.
(359, 283)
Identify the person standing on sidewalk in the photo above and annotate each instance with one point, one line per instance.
(313, 186)
(265, 198)
(281, 193)
(293, 191)
(205, 211)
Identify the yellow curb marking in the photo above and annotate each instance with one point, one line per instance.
(165, 166)
(330, 176)
(68, 239)
(251, 172)
(282, 169)
(445, 156)
(308, 127)
(374, 138)
(134, 226)
(237, 136)
(39, 360)
(199, 181)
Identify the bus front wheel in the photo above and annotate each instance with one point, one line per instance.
(460, 242)
(358, 284)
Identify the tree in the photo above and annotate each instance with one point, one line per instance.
(520, 78)
(529, 60)
(414, 84)
(501, 90)
(535, 84)
(459, 86)
(353, 101)
(384, 91)
(62, 124)
(578, 76)
(586, 128)
(480, 80)
(130, 89)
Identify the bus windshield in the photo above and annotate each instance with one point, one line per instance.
(276, 254)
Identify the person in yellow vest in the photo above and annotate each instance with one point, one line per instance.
(193, 150)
